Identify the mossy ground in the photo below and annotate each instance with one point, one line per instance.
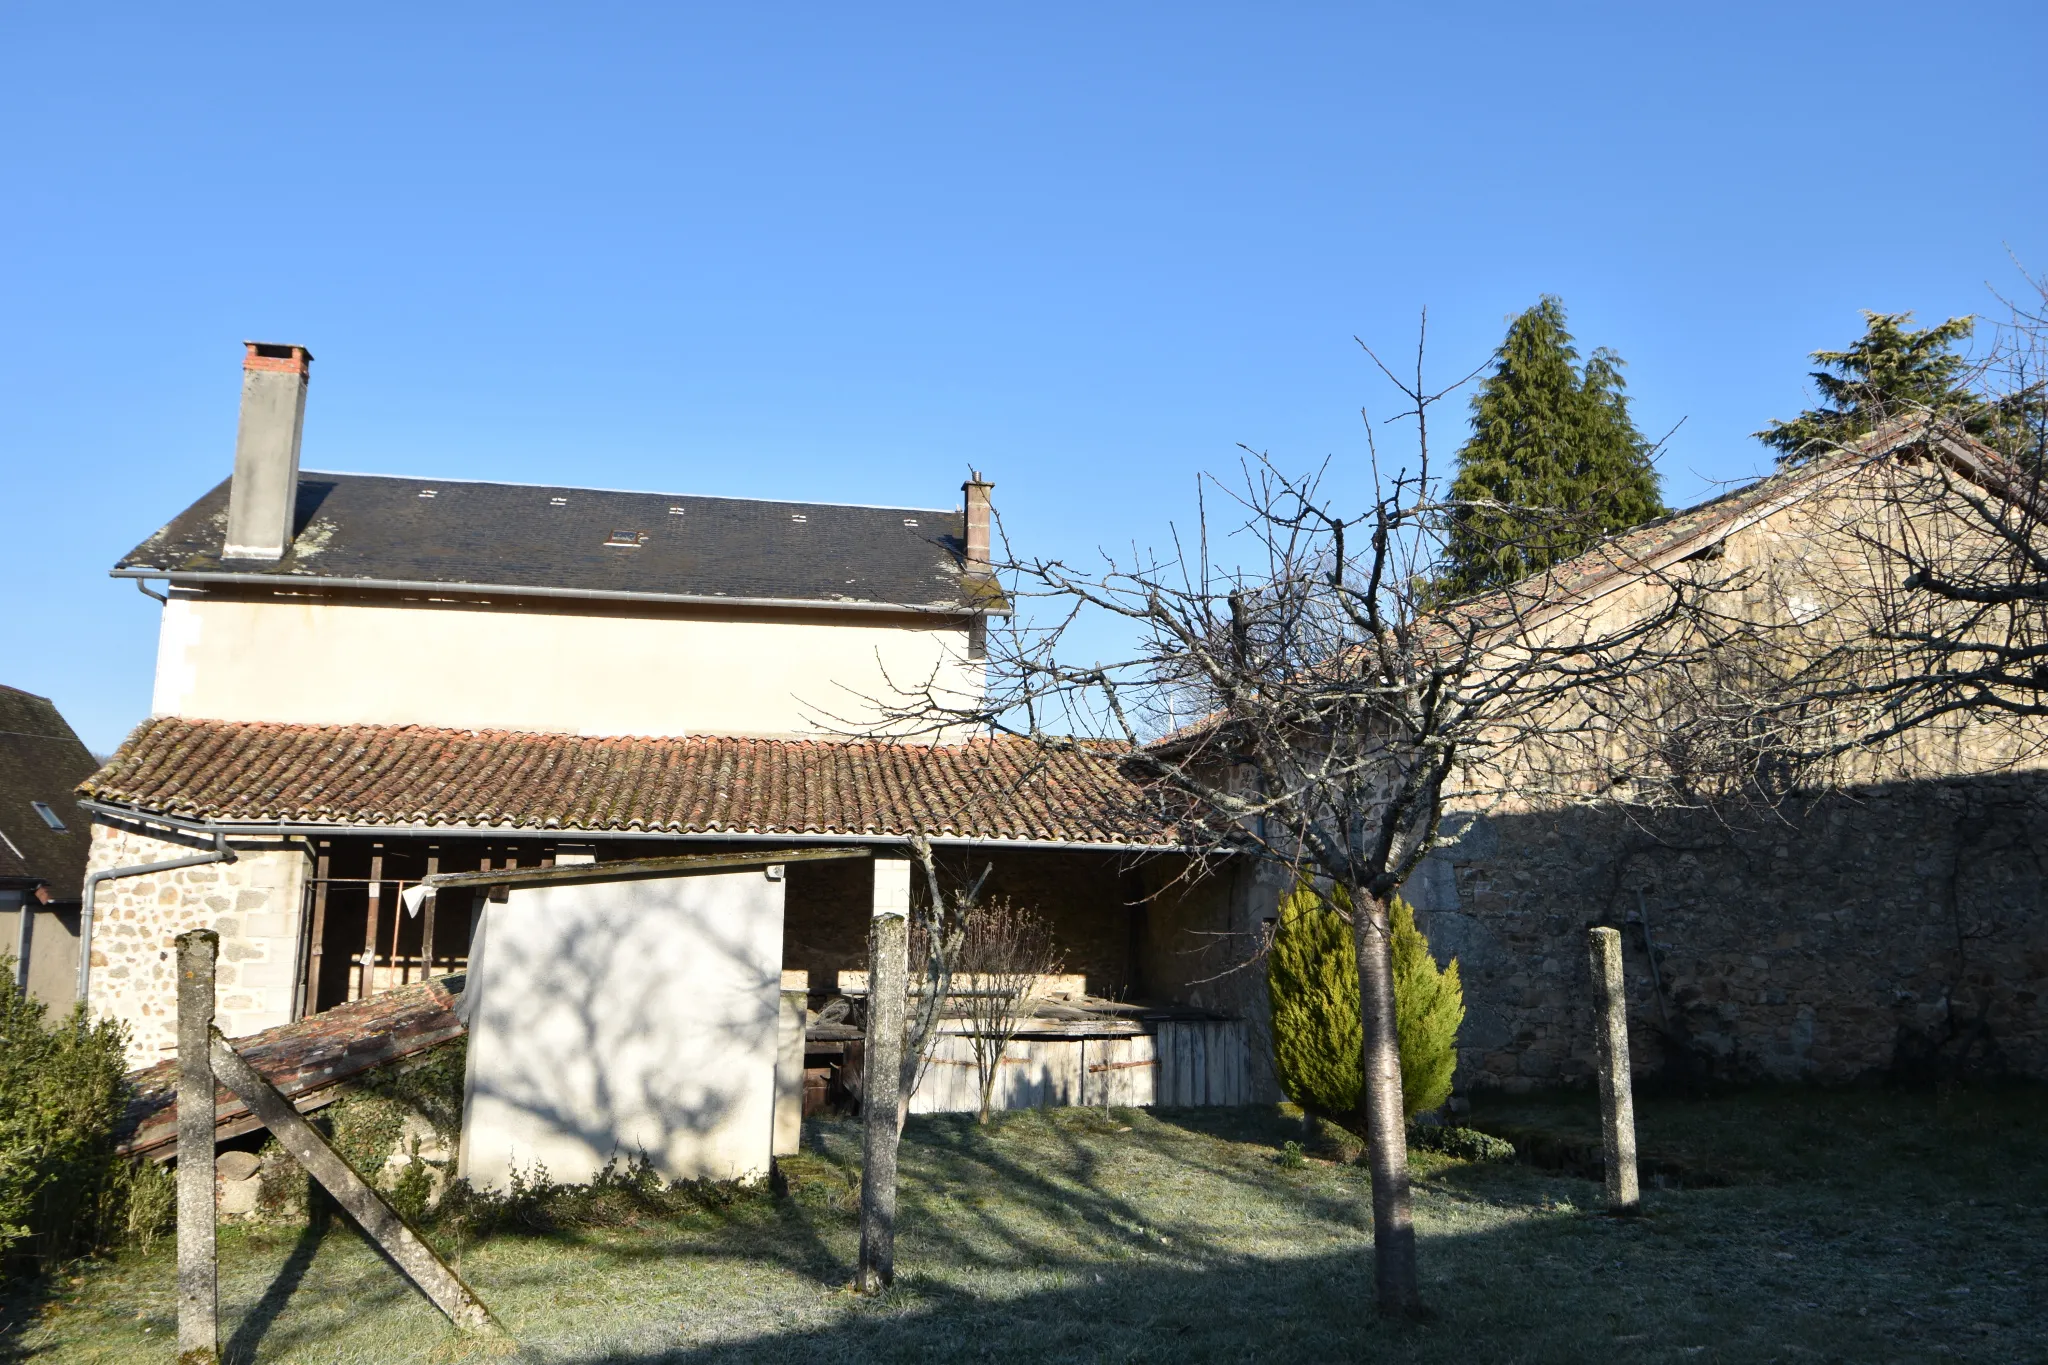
(1853, 1226)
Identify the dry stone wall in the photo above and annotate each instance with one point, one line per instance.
(252, 903)
(1895, 929)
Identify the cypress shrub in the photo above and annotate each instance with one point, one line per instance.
(1312, 990)
(1429, 1005)
(63, 1085)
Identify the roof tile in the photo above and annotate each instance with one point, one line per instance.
(987, 789)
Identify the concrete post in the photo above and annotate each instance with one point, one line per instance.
(198, 1273)
(1617, 1101)
(882, 1072)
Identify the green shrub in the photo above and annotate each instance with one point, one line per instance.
(63, 1086)
(1312, 988)
(1429, 1006)
(1466, 1144)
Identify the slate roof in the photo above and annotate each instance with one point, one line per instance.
(369, 530)
(354, 775)
(40, 760)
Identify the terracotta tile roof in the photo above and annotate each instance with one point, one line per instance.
(990, 789)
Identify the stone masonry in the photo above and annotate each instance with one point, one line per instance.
(1897, 928)
(252, 903)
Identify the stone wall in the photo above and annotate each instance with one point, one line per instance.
(252, 903)
(1900, 927)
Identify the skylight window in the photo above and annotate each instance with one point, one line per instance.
(429, 492)
(675, 511)
(558, 502)
(798, 517)
(50, 817)
(910, 521)
(627, 540)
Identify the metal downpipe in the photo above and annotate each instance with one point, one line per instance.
(221, 854)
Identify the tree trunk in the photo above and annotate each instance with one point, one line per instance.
(1393, 1225)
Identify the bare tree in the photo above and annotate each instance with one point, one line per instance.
(1004, 952)
(1339, 699)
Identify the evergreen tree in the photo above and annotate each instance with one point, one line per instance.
(1553, 445)
(1890, 371)
(1429, 1007)
(1312, 988)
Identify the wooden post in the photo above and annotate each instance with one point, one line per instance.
(1617, 1101)
(427, 924)
(376, 900)
(882, 1073)
(314, 958)
(198, 1272)
(442, 1286)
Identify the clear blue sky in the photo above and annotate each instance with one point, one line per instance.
(844, 252)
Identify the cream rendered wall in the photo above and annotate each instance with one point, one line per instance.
(613, 1019)
(598, 672)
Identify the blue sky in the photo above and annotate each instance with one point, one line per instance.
(843, 253)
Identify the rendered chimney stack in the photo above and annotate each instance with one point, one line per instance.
(977, 490)
(266, 488)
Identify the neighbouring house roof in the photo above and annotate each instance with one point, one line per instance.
(505, 782)
(371, 531)
(41, 761)
(1655, 544)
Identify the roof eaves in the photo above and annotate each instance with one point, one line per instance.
(275, 580)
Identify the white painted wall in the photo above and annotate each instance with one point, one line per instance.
(624, 1017)
(311, 661)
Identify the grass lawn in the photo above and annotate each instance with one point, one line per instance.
(1792, 1226)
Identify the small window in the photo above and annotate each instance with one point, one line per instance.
(49, 817)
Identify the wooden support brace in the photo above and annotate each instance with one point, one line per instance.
(428, 1271)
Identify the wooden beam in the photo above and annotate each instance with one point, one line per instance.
(642, 867)
(442, 1286)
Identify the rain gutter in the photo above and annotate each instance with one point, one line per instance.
(290, 581)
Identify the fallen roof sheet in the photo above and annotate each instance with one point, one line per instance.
(308, 1062)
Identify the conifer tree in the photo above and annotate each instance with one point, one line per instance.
(1429, 1007)
(1312, 988)
(1554, 461)
(1892, 370)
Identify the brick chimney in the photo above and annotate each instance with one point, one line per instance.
(266, 487)
(977, 490)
